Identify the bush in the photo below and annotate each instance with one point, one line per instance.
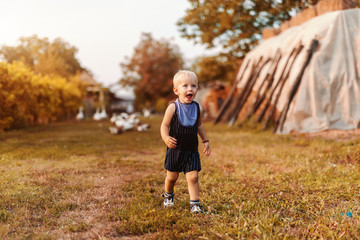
(27, 98)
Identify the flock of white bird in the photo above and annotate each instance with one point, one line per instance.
(121, 122)
(125, 122)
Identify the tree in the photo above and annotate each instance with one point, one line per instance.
(235, 25)
(213, 68)
(59, 58)
(41, 55)
(150, 70)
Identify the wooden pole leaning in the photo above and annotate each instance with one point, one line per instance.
(264, 88)
(280, 84)
(247, 91)
(234, 101)
(269, 98)
(296, 85)
(230, 95)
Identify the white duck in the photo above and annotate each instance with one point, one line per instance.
(113, 118)
(80, 115)
(123, 123)
(124, 115)
(97, 116)
(143, 127)
(113, 130)
(147, 113)
(103, 114)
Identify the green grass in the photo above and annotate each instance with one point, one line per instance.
(77, 181)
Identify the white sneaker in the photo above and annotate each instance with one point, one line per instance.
(168, 200)
(196, 209)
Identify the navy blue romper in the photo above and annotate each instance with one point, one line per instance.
(185, 157)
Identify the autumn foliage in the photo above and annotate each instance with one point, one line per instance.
(151, 69)
(233, 27)
(27, 98)
(55, 57)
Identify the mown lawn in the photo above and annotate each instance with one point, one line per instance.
(77, 181)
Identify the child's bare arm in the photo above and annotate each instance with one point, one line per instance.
(203, 136)
(164, 128)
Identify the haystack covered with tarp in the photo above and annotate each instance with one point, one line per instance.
(306, 79)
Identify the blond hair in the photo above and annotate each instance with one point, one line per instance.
(182, 74)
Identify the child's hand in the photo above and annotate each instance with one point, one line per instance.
(170, 142)
(207, 149)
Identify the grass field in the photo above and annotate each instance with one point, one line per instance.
(77, 181)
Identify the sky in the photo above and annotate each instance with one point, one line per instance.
(103, 31)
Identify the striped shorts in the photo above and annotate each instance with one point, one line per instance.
(182, 161)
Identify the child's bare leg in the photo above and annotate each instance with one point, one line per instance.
(193, 184)
(170, 181)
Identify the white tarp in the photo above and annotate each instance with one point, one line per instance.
(329, 94)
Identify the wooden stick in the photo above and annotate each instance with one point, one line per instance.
(272, 111)
(296, 85)
(269, 80)
(276, 86)
(230, 95)
(293, 55)
(247, 92)
(267, 104)
(227, 115)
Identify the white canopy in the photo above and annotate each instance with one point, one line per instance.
(328, 96)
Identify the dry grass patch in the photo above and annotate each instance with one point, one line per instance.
(77, 181)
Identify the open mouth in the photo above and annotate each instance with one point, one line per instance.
(189, 96)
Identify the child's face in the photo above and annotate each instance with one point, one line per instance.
(186, 89)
